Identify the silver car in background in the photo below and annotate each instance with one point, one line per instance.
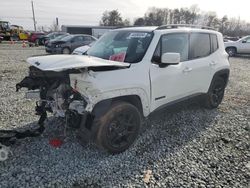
(241, 46)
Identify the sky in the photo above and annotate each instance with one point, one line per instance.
(89, 12)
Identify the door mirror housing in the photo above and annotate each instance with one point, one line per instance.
(170, 58)
(244, 41)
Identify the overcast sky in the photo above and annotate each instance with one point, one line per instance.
(89, 12)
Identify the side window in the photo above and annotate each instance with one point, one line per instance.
(199, 45)
(77, 39)
(214, 43)
(248, 40)
(177, 43)
(87, 38)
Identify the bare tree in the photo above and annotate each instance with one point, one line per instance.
(193, 15)
(111, 18)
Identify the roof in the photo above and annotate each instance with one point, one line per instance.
(171, 27)
(145, 29)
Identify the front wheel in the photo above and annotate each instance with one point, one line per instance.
(66, 51)
(118, 128)
(215, 94)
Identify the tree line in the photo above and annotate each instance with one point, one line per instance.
(234, 27)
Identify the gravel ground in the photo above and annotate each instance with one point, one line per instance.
(185, 146)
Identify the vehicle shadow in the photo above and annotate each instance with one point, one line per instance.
(162, 134)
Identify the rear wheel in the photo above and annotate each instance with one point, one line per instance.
(231, 51)
(66, 51)
(215, 94)
(118, 128)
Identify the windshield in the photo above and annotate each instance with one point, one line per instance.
(123, 46)
(60, 37)
(50, 35)
(67, 38)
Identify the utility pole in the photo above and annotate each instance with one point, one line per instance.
(34, 19)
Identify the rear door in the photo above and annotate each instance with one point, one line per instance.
(200, 62)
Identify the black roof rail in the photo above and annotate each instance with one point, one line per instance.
(174, 26)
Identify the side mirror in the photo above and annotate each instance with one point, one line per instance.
(244, 41)
(170, 58)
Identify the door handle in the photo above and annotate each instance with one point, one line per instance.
(187, 69)
(212, 63)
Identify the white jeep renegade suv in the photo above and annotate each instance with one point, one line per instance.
(126, 75)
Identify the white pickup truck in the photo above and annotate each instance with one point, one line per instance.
(126, 75)
(241, 46)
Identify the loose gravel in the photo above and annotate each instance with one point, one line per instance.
(185, 146)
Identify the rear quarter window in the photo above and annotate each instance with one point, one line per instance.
(199, 45)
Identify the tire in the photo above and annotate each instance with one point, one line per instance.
(65, 51)
(118, 128)
(231, 51)
(215, 94)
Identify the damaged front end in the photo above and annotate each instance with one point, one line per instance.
(54, 94)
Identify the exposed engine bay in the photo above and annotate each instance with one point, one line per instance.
(54, 94)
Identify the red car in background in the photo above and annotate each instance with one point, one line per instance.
(34, 38)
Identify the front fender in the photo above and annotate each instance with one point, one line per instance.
(104, 96)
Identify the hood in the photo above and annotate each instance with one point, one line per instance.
(59, 63)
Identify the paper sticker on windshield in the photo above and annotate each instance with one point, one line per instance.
(118, 57)
(137, 35)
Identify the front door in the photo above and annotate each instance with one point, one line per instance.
(171, 82)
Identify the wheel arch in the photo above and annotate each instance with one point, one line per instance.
(102, 106)
(224, 74)
(232, 47)
(67, 48)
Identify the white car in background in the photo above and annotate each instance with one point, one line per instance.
(82, 50)
(241, 46)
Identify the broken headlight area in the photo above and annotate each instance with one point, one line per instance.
(55, 94)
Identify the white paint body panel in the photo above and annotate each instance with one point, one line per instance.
(144, 79)
(59, 63)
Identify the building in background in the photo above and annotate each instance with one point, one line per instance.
(95, 31)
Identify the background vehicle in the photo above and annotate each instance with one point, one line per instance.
(35, 38)
(67, 44)
(50, 36)
(55, 39)
(1, 39)
(5, 30)
(83, 49)
(18, 33)
(241, 46)
(126, 75)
